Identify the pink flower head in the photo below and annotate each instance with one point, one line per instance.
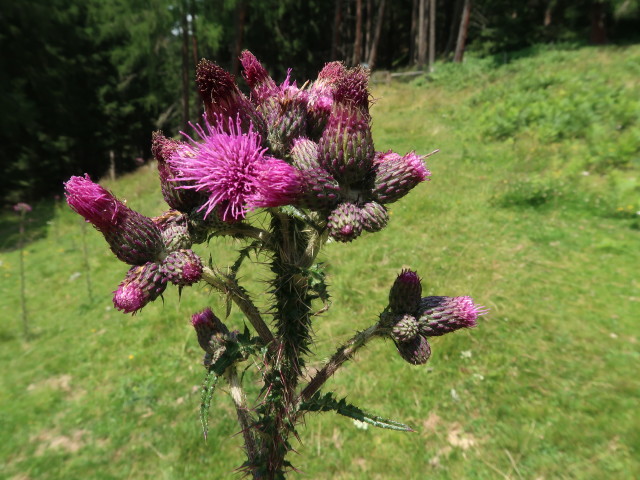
(440, 315)
(143, 284)
(396, 175)
(22, 208)
(97, 205)
(133, 238)
(352, 87)
(231, 168)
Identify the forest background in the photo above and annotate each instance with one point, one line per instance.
(85, 83)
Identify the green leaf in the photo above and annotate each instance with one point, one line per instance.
(208, 387)
(325, 403)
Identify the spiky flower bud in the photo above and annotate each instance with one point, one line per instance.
(405, 328)
(181, 199)
(320, 191)
(174, 228)
(261, 84)
(346, 147)
(208, 327)
(440, 315)
(416, 351)
(405, 293)
(143, 284)
(286, 119)
(395, 175)
(223, 99)
(374, 217)
(345, 222)
(352, 88)
(304, 154)
(182, 267)
(133, 238)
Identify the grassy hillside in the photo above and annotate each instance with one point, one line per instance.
(533, 209)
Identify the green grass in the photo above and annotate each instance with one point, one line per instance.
(546, 386)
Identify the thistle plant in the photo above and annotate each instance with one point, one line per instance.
(305, 157)
(22, 209)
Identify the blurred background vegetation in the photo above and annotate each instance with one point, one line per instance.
(84, 83)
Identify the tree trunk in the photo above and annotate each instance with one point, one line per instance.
(368, 30)
(432, 33)
(598, 35)
(337, 24)
(357, 44)
(184, 23)
(241, 16)
(376, 38)
(422, 34)
(462, 33)
(453, 27)
(413, 48)
(196, 54)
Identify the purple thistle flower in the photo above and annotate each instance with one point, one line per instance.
(440, 315)
(142, 285)
(133, 238)
(22, 208)
(231, 168)
(396, 175)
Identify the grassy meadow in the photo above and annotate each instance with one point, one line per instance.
(533, 209)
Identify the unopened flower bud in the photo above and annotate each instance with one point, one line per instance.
(346, 147)
(416, 351)
(345, 222)
(405, 293)
(261, 84)
(223, 99)
(133, 238)
(143, 284)
(320, 191)
(174, 228)
(304, 154)
(208, 326)
(374, 217)
(395, 175)
(440, 315)
(182, 267)
(285, 115)
(405, 329)
(352, 88)
(181, 199)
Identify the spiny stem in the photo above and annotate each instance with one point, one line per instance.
(343, 354)
(228, 285)
(23, 298)
(244, 418)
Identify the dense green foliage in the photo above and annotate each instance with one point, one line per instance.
(545, 387)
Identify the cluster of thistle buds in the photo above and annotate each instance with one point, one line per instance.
(411, 319)
(309, 148)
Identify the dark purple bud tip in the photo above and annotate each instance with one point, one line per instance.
(405, 293)
(207, 325)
